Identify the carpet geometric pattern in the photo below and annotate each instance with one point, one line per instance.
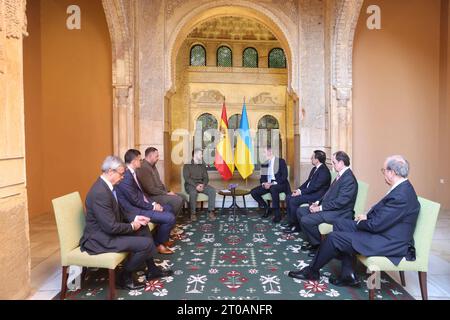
(240, 257)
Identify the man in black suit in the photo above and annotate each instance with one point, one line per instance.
(386, 230)
(274, 180)
(312, 190)
(338, 202)
(106, 228)
(134, 202)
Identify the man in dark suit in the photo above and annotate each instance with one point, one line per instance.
(151, 184)
(134, 202)
(312, 190)
(338, 202)
(106, 229)
(274, 180)
(386, 230)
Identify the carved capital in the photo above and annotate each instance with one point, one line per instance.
(346, 21)
(13, 19)
(122, 93)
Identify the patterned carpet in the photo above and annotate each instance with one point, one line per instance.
(240, 258)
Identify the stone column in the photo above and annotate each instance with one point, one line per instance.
(150, 37)
(123, 119)
(14, 238)
(312, 108)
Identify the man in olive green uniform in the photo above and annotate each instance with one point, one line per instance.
(196, 181)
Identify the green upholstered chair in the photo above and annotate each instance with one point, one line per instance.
(201, 197)
(360, 204)
(423, 235)
(268, 196)
(70, 222)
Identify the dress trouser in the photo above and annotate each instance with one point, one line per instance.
(338, 244)
(209, 191)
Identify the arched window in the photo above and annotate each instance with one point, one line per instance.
(204, 139)
(198, 55)
(268, 131)
(224, 57)
(250, 58)
(233, 123)
(277, 59)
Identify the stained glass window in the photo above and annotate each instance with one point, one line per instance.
(268, 130)
(250, 58)
(198, 55)
(277, 59)
(224, 57)
(204, 139)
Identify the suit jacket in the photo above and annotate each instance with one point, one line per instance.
(150, 180)
(319, 182)
(279, 169)
(104, 221)
(389, 228)
(131, 198)
(339, 200)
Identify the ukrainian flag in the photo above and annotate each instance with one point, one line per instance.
(243, 154)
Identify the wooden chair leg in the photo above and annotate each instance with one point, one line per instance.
(423, 285)
(371, 294)
(65, 275)
(402, 278)
(371, 291)
(112, 284)
(201, 206)
(323, 237)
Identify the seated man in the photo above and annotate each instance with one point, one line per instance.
(106, 229)
(151, 184)
(134, 202)
(338, 202)
(274, 180)
(196, 181)
(386, 230)
(312, 190)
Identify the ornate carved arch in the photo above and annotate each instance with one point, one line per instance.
(118, 17)
(342, 76)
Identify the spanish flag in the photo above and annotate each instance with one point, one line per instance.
(243, 157)
(224, 154)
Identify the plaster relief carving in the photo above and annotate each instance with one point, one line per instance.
(211, 96)
(15, 18)
(264, 98)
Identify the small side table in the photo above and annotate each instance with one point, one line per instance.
(234, 193)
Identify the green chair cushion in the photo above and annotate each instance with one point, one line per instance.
(423, 236)
(325, 228)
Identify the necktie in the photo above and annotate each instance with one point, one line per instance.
(115, 195)
(314, 171)
(139, 186)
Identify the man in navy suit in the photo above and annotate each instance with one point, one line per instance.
(312, 190)
(274, 180)
(135, 202)
(338, 202)
(107, 228)
(386, 230)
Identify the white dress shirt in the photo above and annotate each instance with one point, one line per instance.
(270, 171)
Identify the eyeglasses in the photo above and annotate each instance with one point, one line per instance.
(120, 173)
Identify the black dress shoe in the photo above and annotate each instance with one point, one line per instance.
(287, 225)
(126, 282)
(292, 229)
(312, 253)
(267, 213)
(276, 219)
(348, 281)
(305, 274)
(159, 274)
(309, 247)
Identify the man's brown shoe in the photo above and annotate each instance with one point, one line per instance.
(169, 243)
(162, 249)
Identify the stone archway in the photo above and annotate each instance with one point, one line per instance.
(172, 19)
(119, 16)
(276, 21)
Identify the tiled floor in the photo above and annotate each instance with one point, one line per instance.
(46, 271)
